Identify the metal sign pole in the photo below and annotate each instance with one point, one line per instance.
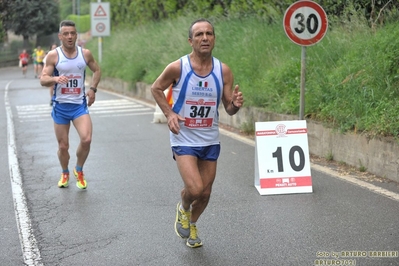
(305, 23)
(100, 47)
(78, 21)
(303, 82)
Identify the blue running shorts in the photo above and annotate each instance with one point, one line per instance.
(64, 113)
(207, 153)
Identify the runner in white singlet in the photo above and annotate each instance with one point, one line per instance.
(200, 82)
(65, 69)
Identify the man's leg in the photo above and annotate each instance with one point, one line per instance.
(198, 177)
(39, 69)
(62, 135)
(207, 171)
(189, 172)
(186, 164)
(84, 128)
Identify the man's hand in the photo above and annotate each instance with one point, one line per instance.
(91, 96)
(173, 122)
(237, 99)
(61, 80)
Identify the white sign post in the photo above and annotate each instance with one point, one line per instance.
(305, 23)
(100, 18)
(282, 164)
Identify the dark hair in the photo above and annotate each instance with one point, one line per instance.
(190, 30)
(67, 23)
(51, 46)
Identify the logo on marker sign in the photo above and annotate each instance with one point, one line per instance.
(281, 130)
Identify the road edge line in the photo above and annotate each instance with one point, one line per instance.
(30, 250)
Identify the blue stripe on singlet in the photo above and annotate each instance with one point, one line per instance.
(55, 74)
(180, 100)
(217, 89)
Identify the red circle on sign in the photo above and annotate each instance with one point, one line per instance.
(100, 27)
(287, 25)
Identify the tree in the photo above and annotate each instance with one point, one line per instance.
(74, 7)
(2, 33)
(27, 18)
(4, 7)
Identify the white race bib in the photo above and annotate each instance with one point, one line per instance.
(74, 85)
(199, 112)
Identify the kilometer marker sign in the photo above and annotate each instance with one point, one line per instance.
(282, 164)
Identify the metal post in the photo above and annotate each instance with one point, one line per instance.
(78, 21)
(303, 73)
(73, 6)
(100, 46)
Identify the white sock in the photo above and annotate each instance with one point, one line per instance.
(182, 208)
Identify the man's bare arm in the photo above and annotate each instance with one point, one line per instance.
(46, 78)
(232, 97)
(94, 67)
(170, 74)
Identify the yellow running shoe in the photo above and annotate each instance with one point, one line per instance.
(194, 241)
(64, 180)
(80, 179)
(182, 222)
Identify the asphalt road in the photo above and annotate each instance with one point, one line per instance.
(126, 215)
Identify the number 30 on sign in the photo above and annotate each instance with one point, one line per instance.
(282, 158)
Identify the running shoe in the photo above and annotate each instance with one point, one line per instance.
(64, 180)
(80, 179)
(182, 223)
(194, 241)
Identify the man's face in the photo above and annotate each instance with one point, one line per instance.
(68, 36)
(203, 38)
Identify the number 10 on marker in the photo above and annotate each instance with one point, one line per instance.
(282, 158)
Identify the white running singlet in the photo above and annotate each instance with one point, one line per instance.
(75, 70)
(197, 98)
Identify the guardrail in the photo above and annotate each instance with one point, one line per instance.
(9, 63)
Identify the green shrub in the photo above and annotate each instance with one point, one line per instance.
(352, 75)
(82, 22)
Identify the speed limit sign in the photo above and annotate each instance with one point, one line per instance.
(305, 22)
(282, 163)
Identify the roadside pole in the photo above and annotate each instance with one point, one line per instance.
(305, 23)
(100, 45)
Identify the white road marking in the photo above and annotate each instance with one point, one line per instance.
(105, 108)
(356, 181)
(30, 250)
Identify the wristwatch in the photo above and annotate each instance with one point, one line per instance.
(235, 107)
(93, 89)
